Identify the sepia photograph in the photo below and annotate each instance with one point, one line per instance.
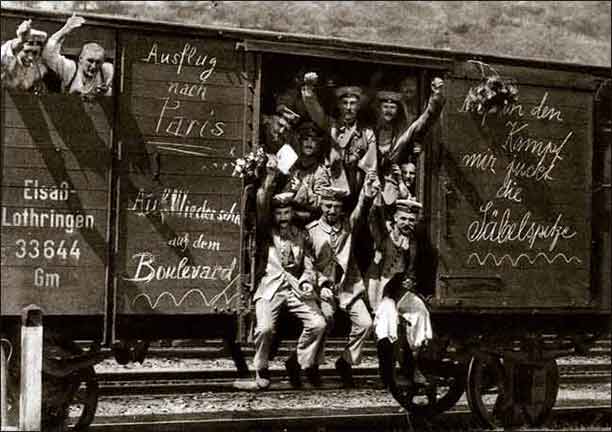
(305, 216)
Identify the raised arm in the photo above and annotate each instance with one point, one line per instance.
(421, 125)
(52, 54)
(371, 186)
(311, 101)
(264, 194)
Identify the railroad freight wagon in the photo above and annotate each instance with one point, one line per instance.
(122, 218)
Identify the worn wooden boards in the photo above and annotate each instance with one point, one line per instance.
(515, 197)
(183, 104)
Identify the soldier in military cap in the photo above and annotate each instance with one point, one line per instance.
(278, 128)
(353, 146)
(339, 278)
(304, 174)
(286, 279)
(392, 289)
(22, 65)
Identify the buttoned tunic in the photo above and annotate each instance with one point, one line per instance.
(391, 285)
(334, 260)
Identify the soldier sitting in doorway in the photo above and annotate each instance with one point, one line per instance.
(392, 291)
(286, 280)
(339, 278)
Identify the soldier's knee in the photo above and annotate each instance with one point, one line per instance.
(266, 330)
(319, 324)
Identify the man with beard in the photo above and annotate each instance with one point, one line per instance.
(353, 146)
(339, 278)
(393, 292)
(286, 280)
(22, 66)
(91, 76)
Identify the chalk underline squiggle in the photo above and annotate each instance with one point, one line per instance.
(210, 303)
(514, 261)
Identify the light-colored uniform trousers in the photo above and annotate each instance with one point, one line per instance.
(361, 325)
(307, 311)
(413, 310)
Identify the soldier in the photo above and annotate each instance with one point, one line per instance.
(286, 279)
(303, 173)
(353, 146)
(91, 76)
(22, 66)
(393, 291)
(278, 128)
(340, 281)
(400, 183)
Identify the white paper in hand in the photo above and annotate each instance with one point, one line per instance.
(286, 158)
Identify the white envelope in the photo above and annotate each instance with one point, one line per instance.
(286, 157)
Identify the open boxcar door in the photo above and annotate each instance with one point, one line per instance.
(512, 200)
(184, 108)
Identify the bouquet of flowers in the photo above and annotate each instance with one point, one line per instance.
(252, 166)
(491, 94)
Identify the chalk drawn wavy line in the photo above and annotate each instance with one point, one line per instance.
(514, 261)
(210, 303)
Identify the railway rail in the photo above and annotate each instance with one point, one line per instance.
(196, 381)
(372, 419)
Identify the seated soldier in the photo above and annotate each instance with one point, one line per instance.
(392, 292)
(91, 76)
(339, 278)
(21, 58)
(286, 279)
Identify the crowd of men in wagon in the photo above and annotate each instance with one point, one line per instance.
(337, 215)
(336, 210)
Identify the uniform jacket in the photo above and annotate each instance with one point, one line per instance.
(333, 254)
(278, 275)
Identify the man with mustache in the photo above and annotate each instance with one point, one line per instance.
(89, 77)
(353, 146)
(21, 59)
(286, 280)
(339, 278)
(393, 292)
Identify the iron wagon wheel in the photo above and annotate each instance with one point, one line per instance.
(486, 389)
(446, 386)
(70, 401)
(87, 398)
(536, 414)
(446, 380)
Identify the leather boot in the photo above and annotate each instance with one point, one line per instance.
(293, 371)
(386, 365)
(345, 371)
(313, 376)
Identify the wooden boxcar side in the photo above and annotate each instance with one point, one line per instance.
(517, 202)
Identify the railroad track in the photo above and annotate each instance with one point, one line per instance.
(174, 381)
(214, 348)
(325, 420)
